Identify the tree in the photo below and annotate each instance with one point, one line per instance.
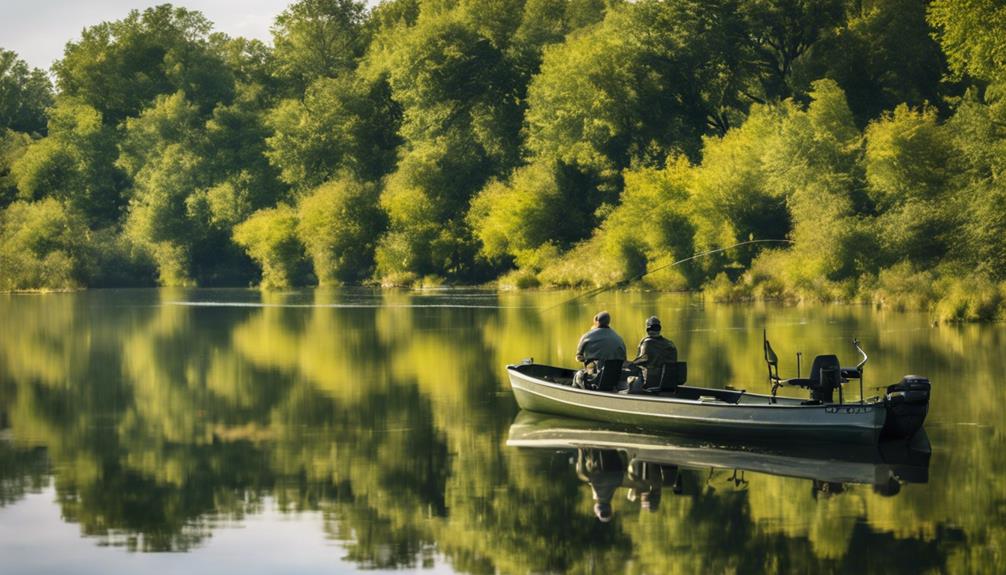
(971, 33)
(74, 163)
(814, 166)
(318, 39)
(451, 81)
(24, 95)
(424, 200)
(908, 168)
(652, 226)
(161, 153)
(781, 32)
(339, 223)
(43, 245)
(342, 124)
(120, 67)
(270, 238)
(12, 147)
(882, 55)
(524, 218)
(732, 200)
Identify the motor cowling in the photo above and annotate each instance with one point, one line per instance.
(907, 406)
(911, 389)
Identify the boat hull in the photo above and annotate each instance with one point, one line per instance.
(754, 416)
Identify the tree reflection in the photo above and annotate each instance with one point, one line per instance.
(156, 422)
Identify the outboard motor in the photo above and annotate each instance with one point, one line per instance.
(907, 406)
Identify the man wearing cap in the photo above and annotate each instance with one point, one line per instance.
(655, 352)
(597, 346)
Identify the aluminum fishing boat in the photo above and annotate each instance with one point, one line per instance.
(897, 414)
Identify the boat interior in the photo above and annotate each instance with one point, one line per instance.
(564, 376)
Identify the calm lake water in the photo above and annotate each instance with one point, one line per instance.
(336, 431)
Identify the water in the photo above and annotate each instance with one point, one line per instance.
(344, 430)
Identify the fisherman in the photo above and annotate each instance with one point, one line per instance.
(599, 345)
(656, 352)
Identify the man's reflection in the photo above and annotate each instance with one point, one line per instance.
(645, 481)
(603, 469)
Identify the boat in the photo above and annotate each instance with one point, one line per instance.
(885, 465)
(711, 412)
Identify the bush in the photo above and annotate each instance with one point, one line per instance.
(974, 299)
(43, 245)
(270, 238)
(903, 287)
(339, 225)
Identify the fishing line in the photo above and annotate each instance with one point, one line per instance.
(602, 289)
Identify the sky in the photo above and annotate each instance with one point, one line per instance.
(38, 30)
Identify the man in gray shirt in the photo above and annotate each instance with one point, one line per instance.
(597, 346)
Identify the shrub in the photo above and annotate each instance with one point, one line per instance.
(270, 237)
(43, 245)
(339, 225)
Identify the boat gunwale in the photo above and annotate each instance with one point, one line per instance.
(691, 402)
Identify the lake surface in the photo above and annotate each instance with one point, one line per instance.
(330, 431)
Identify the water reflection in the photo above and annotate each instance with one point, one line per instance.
(155, 422)
(610, 457)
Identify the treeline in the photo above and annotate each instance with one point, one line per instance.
(543, 142)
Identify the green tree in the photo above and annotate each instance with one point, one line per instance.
(12, 147)
(781, 33)
(120, 67)
(342, 124)
(270, 237)
(43, 245)
(24, 95)
(318, 39)
(161, 153)
(652, 226)
(74, 163)
(427, 231)
(815, 166)
(525, 218)
(339, 223)
(460, 126)
(882, 55)
(971, 33)
(980, 140)
(732, 200)
(908, 168)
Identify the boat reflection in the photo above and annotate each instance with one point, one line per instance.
(645, 463)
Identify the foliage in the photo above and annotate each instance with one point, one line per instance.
(544, 142)
(73, 163)
(339, 223)
(160, 154)
(971, 33)
(342, 123)
(24, 95)
(43, 245)
(270, 237)
(120, 67)
(908, 169)
(524, 218)
(12, 147)
(318, 39)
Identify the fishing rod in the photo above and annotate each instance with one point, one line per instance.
(603, 289)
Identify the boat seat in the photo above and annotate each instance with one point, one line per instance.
(610, 371)
(670, 376)
(826, 375)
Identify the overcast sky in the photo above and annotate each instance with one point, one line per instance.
(39, 29)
